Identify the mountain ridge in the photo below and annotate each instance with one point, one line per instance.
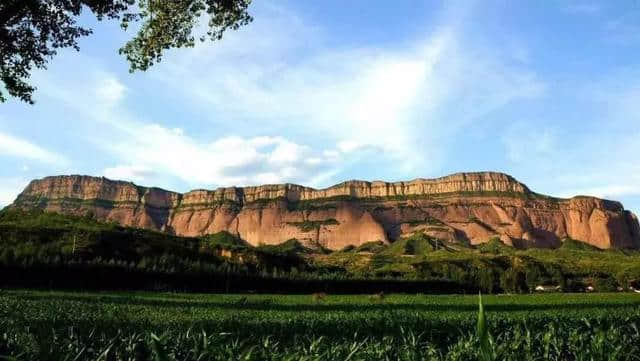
(471, 207)
(469, 181)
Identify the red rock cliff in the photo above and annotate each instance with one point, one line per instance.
(470, 207)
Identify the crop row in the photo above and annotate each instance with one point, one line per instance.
(121, 326)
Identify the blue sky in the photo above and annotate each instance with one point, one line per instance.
(320, 92)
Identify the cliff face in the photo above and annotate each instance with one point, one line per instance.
(466, 207)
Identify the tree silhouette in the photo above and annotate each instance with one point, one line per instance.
(31, 31)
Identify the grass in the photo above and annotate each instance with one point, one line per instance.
(64, 325)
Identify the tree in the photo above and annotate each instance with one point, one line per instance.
(513, 280)
(31, 31)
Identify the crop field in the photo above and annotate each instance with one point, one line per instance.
(40, 325)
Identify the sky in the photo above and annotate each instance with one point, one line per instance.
(318, 92)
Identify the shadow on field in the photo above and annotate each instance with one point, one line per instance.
(270, 305)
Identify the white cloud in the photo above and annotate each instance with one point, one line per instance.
(349, 145)
(225, 161)
(609, 191)
(10, 187)
(305, 111)
(402, 101)
(587, 8)
(7, 195)
(129, 172)
(91, 91)
(109, 90)
(16, 147)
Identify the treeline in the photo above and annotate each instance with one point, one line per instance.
(277, 275)
(522, 274)
(40, 249)
(502, 274)
(115, 276)
(48, 250)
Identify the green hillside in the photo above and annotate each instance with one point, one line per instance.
(36, 245)
(38, 236)
(494, 266)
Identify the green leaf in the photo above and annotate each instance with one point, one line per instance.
(486, 353)
(161, 354)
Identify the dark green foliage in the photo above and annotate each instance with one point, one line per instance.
(430, 221)
(233, 205)
(480, 274)
(284, 256)
(410, 247)
(292, 246)
(312, 205)
(38, 202)
(329, 203)
(605, 283)
(574, 245)
(418, 244)
(629, 276)
(495, 246)
(308, 226)
(31, 31)
(514, 281)
(348, 248)
(374, 247)
(380, 261)
(40, 236)
(225, 240)
(487, 280)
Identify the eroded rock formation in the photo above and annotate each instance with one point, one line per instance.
(463, 207)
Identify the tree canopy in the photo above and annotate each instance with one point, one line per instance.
(31, 31)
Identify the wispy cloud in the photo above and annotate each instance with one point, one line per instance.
(13, 146)
(91, 91)
(596, 155)
(305, 111)
(10, 187)
(588, 8)
(135, 173)
(609, 191)
(400, 100)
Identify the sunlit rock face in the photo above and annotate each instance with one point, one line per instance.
(463, 207)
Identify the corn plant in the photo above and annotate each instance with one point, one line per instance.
(486, 351)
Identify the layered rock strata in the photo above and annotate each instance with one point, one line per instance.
(463, 207)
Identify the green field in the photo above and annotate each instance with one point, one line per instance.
(119, 326)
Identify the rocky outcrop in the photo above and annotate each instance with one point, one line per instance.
(463, 207)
